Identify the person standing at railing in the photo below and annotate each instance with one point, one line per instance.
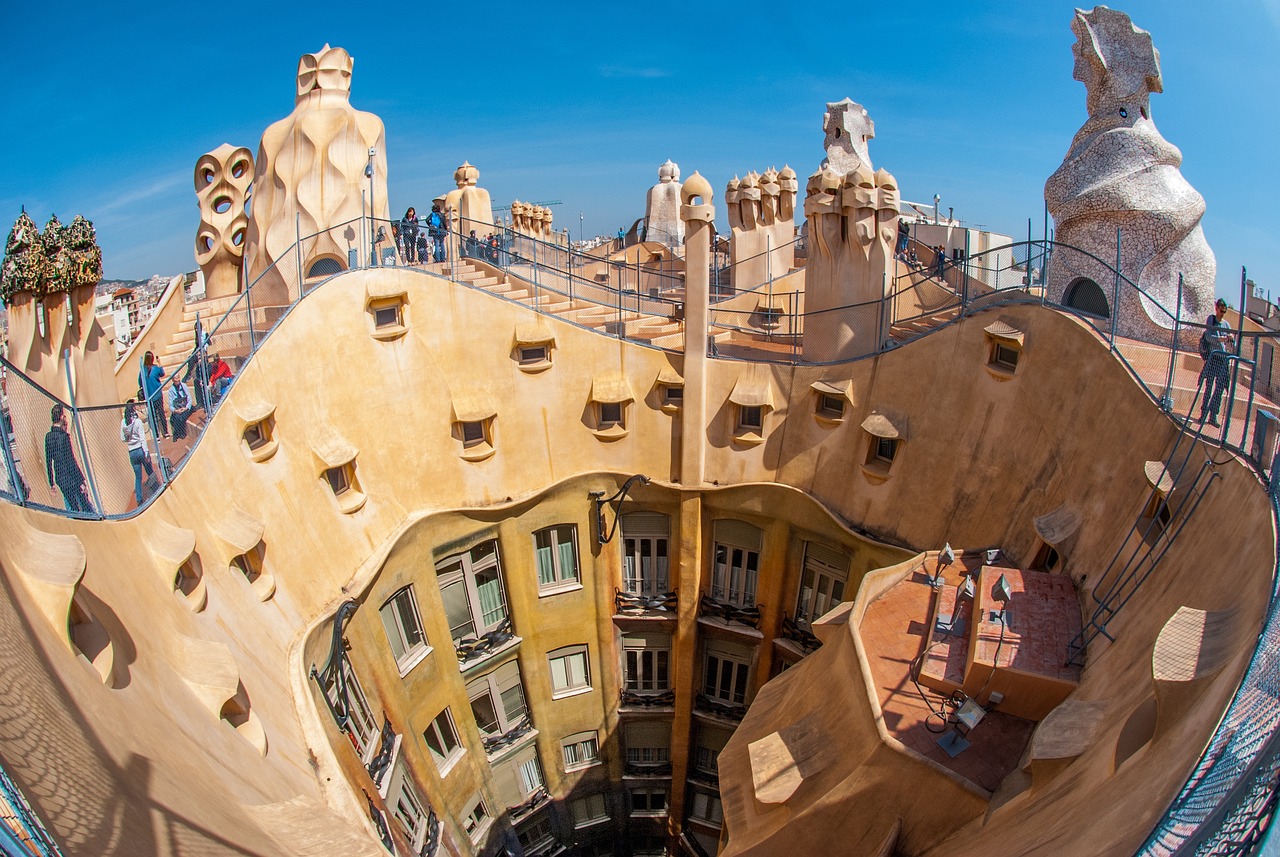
(150, 380)
(135, 440)
(940, 263)
(409, 236)
(904, 235)
(180, 408)
(60, 463)
(436, 229)
(1213, 377)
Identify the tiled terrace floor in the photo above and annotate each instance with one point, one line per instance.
(893, 632)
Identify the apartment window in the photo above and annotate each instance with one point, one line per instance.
(580, 750)
(736, 562)
(1004, 348)
(750, 418)
(387, 315)
(885, 448)
(646, 662)
(407, 806)
(472, 433)
(822, 582)
(588, 810)
(518, 776)
(673, 395)
(474, 817)
(442, 740)
(339, 479)
(648, 743)
(535, 833)
(648, 801)
(708, 742)
(257, 435)
(401, 621)
(611, 415)
(471, 588)
(704, 805)
(361, 727)
(1005, 357)
(830, 406)
(556, 553)
(497, 700)
(570, 672)
(645, 536)
(725, 672)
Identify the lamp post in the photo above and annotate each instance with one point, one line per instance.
(580, 220)
(373, 216)
(936, 199)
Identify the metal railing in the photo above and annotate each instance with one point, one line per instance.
(22, 834)
(1227, 804)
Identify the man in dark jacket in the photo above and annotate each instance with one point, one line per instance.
(60, 463)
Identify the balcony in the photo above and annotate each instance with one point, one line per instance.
(710, 607)
(473, 650)
(535, 802)
(646, 769)
(733, 711)
(495, 744)
(636, 605)
(647, 701)
(799, 635)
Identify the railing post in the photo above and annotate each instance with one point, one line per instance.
(248, 308)
(11, 468)
(79, 430)
(297, 247)
(795, 327)
(535, 263)
(964, 289)
(884, 300)
(1115, 303)
(1166, 401)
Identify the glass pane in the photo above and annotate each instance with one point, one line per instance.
(661, 559)
(568, 566)
(633, 669)
(559, 674)
(409, 618)
(432, 737)
(457, 611)
(546, 569)
(392, 627)
(489, 588)
(629, 580)
(740, 686)
(486, 715)
(578, 669)
(513, 704)
(662, 679)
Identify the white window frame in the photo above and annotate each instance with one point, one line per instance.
(475, 818)
(407, 806)
(570, 668)
(735, 564)
(750, 418)
(439, 726)
(402, 621)
(497, 686)
(537, 830)
(822, 584)
(705, 806)
(648, 791)
(726, 673)
(555, 555)
(580, 750)
(583, 811)
(461, 570)
(646, 663)
(529, 776)
(645, 557)
(361, 726)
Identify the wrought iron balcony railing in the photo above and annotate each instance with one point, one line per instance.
(495, 743)
(720, 708)
(636, 604)
(381, 761)
(474, 648)
(639, 699)
(534, 802)
(793, 631)
(750, 616)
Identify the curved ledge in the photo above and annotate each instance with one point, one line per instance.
(534, 368)
(999, 372)
(611, 433)
(748, 438)
(479, 452)
(390, 332)
(349, 502)
(877, 472)
(263, 452)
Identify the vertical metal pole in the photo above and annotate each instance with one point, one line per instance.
(795, 327)
(248, 308)
(79, 430)
(964, 293)
(880, 315)
(1029, 245)
(297, 247)
(1166, 401)
(535, 265)
(622, 267)
(10, 467)
(1243, 297)
(1115, 303)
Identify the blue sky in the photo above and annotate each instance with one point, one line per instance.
(108, 106)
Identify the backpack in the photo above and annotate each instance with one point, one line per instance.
(436, 223)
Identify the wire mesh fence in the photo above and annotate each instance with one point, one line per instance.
(110, 459)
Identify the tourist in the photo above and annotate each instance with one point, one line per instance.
(150, 380)
(219, 378)
(1213, 376)
(409, 236)
(473, 245)
(940, 262)
(60, 463)
(135, 440)
(904, 235)
(912, 259)
(436, 228)
(180, 409)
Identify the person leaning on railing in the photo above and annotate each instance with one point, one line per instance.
(61, 465)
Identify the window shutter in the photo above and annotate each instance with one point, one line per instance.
(831, 558)
(738, 534)
(646, 524)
